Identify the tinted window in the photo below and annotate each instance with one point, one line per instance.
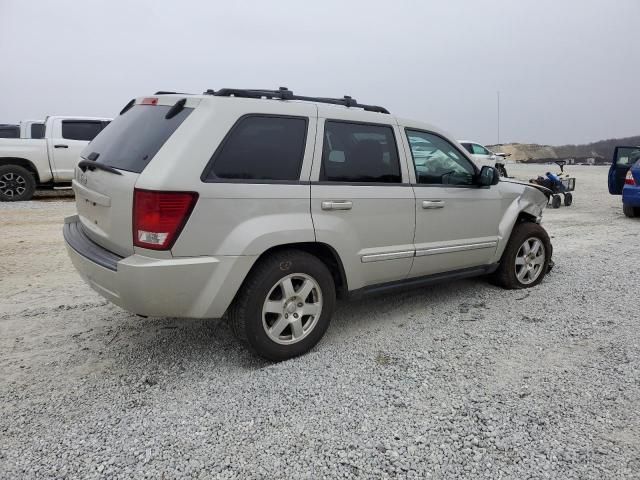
(627, 156)
(9, 131)
(80, 130)
(262, 148)
(467, 147)
(479, 149)
(132, 139)
(37, 130)
(437, 161)
(354, 152)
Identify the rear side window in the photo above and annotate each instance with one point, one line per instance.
(80, 130)
(37, 130)
(9, 131)
(359, 153)
(467, 147)
(132, 139)
(261, 147)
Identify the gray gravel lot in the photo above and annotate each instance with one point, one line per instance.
(462, 380)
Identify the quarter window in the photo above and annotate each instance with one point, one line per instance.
(80, 130)
(438, 162)
(359, 153)
(262, 148)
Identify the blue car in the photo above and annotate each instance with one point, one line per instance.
(624, 179)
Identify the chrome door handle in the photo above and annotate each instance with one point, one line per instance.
(337, 205)
(432, 204)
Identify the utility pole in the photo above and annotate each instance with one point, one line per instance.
(498, 94)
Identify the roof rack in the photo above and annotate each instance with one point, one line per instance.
(283, 93)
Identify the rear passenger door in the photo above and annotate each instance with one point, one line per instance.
(361, 202)
(68, 140)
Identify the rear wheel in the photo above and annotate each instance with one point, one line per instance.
(556, 201)
(568, 199)
(526, 259)
(629, 211)
(16, 183)
(284, 306)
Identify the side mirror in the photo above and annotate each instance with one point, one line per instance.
(488, 176)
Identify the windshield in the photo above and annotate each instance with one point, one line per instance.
(132, 139)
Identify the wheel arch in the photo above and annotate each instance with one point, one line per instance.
(21, 162)
(324, 252)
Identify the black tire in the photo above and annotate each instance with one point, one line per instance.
(502, 170)
(506, 276)
(245, 314)
(568, 199)
(16, 184)
(556, 201)
(629, 211)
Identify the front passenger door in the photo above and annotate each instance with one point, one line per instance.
(456, 220)
(623, 159)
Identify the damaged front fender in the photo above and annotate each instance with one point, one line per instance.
(527, 199)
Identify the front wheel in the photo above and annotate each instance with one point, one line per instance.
(502, 170)
(526, 259)
(556, 201)
(284, 306)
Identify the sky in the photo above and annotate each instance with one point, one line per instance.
(567, 71)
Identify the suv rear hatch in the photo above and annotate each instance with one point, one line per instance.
(111, 164)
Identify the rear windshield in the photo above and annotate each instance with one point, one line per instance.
(132, 139)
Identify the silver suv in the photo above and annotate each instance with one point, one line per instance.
(267, 206)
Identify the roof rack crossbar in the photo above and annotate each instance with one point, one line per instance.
(284, 93)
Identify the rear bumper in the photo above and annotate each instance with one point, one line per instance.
(191, 287)
(631, 195)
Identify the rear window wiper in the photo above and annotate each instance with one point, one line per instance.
(92, 165)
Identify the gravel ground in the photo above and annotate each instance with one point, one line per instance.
(457, 380)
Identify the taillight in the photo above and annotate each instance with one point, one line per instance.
(158, 217)
(629, 180)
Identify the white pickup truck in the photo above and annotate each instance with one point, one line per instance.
(27, 163)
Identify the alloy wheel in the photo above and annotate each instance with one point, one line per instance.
(12, 185)
(292, 308)
(530, 260)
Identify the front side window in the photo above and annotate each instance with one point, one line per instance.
(438, 162)
(479, 149)
(80, 130)
(359, 153)
(261, 147)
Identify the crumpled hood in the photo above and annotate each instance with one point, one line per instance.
(545, 190)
